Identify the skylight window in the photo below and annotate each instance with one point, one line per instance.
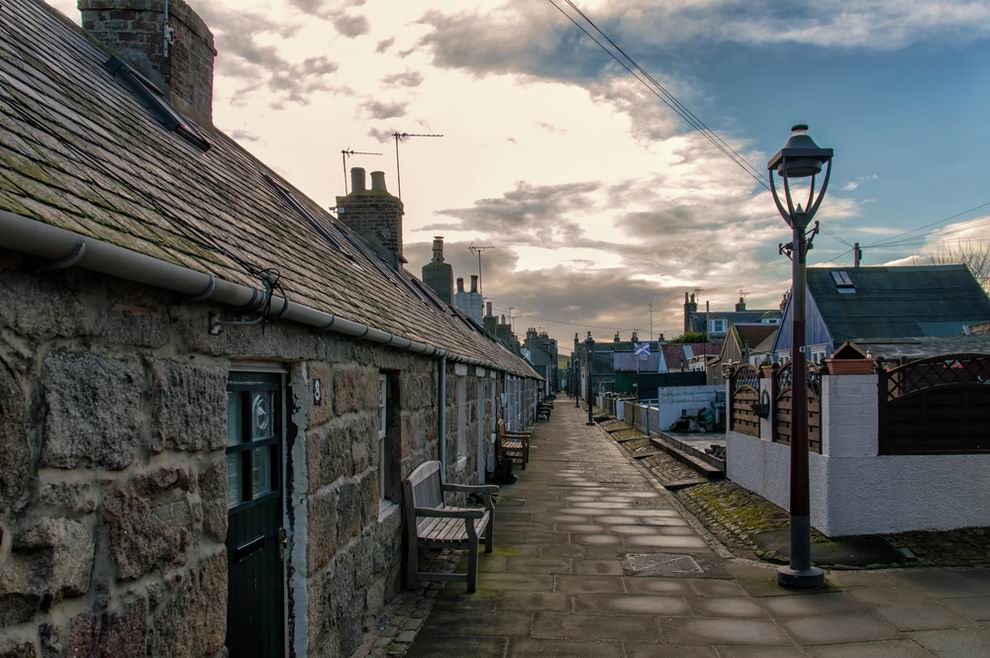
(155, 101)
(843, 283)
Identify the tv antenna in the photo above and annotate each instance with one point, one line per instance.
(512, 317)
(743, 293)
(478, 249)
(346, 153)
(398, 138)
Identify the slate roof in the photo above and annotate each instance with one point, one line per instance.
(894, 302)
(79, 151)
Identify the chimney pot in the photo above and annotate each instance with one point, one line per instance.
(438, 249)
(488, 308)
(460, 284)
(357, 180)
(474, 283)
(378, 182)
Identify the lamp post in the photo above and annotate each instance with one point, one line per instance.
(589, 344)
(801, 157)
(576, 373)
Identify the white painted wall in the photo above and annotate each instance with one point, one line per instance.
(853, 489)
(671, 400)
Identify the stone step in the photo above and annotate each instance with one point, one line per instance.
(702, 462)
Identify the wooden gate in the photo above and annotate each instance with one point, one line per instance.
(936, 405)
(782, 417)
(745, 392)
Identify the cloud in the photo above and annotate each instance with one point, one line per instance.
(384, 45)
(407, 79)
(383, 110)
(244, 57)
(550, 128)
(528, 214)
(850, 186)
(351, 25)
(382, 135)
(241, 135)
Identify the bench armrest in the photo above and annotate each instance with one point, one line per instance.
(472, 488)
(450, 514)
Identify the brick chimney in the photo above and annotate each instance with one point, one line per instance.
(374, 214)
(176, 53)
(741, 305)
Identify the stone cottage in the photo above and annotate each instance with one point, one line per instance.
(210, 387)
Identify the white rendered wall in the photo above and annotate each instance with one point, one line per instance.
(673, 399)
(853, 489)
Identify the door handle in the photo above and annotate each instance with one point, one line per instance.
(283, 543)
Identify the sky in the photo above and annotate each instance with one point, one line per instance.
(598, 199)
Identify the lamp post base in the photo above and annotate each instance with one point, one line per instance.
(809, 578)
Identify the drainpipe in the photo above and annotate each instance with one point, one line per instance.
(442, 413)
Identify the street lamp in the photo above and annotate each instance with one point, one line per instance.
(589, 344)
(575, 374)
(801, 157)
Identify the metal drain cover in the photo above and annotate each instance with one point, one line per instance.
(660, 564)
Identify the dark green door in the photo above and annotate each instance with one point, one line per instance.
(254, 536)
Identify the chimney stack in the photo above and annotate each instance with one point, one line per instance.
(740, 305)
(374, 214)
(176, 53)
(439, 275)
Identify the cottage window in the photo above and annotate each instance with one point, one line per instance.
(718, 326)
(462, 412)
(388, 441)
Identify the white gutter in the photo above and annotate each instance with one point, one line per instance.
(67, 249)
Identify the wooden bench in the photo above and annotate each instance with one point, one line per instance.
(514, 445)
(430, 523)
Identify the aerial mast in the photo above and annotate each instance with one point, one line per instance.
(346, 153)
(398, 138)
(478, 249)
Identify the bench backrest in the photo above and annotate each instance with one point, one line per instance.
(424, 485)
(500, 428)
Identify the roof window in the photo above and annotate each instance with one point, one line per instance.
(843, 283)
(156, 101)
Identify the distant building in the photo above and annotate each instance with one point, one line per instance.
(864, 303)
(718, 322)
(543, 357)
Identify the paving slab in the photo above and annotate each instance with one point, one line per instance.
(719, 630)
(832, 629)
(923, 617)
(965, 643)
(564, 649)
(576, 626)
(881, 649)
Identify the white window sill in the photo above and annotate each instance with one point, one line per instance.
(386, 508)
(460, 464)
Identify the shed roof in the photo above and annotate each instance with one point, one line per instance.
(752, 335)
(81, 152)
(884, 302)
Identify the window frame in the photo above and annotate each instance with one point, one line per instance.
(245, 386)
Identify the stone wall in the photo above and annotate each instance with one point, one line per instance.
(113, 487)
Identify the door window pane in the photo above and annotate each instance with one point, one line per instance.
(261, 471)
(235, 419)
(262, 415)
(234, 486)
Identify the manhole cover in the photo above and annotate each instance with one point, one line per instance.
(660, 564)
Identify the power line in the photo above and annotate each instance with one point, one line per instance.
(705, 129)
(894, 238)
(662, 93)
